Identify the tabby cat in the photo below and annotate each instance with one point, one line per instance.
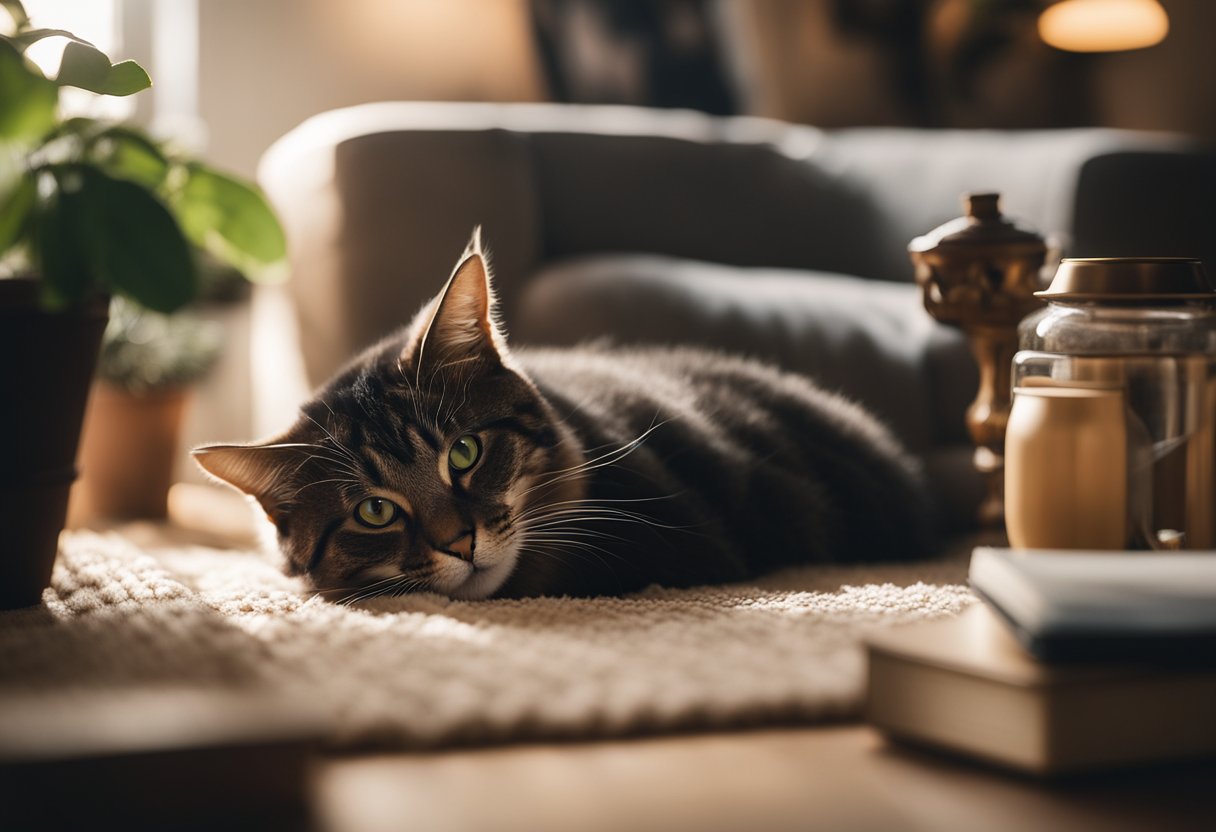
(439, 460)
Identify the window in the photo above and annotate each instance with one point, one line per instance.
(96, 21)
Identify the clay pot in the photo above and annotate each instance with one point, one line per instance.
(127, 454)
(46, 365)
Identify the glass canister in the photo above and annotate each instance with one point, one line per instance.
(1129, 335)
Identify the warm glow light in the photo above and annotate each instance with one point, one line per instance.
(94, 20)
(97, 22)
(1103, 25)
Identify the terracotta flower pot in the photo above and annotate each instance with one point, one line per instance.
(127, 454)
(46, 365)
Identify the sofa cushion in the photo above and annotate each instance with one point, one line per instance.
(739, 203)
(871, 341)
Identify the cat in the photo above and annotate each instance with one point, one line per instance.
(441, 460)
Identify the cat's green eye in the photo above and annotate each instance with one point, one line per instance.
(464, 452)
(375, 512)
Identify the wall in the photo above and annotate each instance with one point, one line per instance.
(797, 67)
(1171, 86)
(266, 65)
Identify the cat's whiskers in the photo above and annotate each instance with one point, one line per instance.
(571, 526)
(347, 465)
(321, 591)
(410, 389)
(353, 478)
(610, 458)
(440, 371)
(626, 448)
(394, 584)
(325, 449)
(572, 516)
(334, 460)
(343, 480)
(576, 534)
(543, 544)
(449, 418)
(586, 509)
(545, 508)
(443, 394)
(341, 466)
(558, 522)
(408, 585)
(547, 550)
(421, 416)
(445, 417)
(337, 445)
(438, 410)
(357, 595)
(348, 460)
(576, 541)
(577, 407)
(399, 585)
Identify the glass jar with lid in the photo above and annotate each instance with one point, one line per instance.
(1142, 330)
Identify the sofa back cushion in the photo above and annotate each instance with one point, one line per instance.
(379, 200)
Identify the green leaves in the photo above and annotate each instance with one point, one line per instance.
(25, 38)
(15, 211)
(139, 248)
(29, 99)
(97, 223)
(83, 64)
(121, 151)
(87, 67)
(88, 200)
(231, 219)
(60, 243)
(94, 232)
(128, 154)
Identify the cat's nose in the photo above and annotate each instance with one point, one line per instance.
(461, 547)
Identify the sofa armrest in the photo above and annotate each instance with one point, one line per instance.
(379, 201)
(1058, 182)
(1147, 203)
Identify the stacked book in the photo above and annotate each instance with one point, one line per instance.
(1074, 661)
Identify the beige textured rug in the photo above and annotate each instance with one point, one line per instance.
(423, 671)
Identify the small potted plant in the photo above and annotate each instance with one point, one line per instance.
(88, 210)
(148, 365)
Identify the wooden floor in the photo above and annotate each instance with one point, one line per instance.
(835, 777)
(827, 777)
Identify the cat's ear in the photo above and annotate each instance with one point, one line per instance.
(464, 318)
(262, 471)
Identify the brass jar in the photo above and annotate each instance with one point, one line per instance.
(980, 272)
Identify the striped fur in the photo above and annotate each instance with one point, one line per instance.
(600, 471)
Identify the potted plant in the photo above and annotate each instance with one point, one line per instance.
(88, 210)
(149, 361)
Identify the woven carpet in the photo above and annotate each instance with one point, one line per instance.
(423, 671)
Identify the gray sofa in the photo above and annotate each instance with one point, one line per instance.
(780, 241)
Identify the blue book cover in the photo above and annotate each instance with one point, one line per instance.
(1077, 605)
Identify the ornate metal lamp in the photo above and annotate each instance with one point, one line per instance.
(980, 272)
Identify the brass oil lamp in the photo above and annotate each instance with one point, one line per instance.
(980, 273)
